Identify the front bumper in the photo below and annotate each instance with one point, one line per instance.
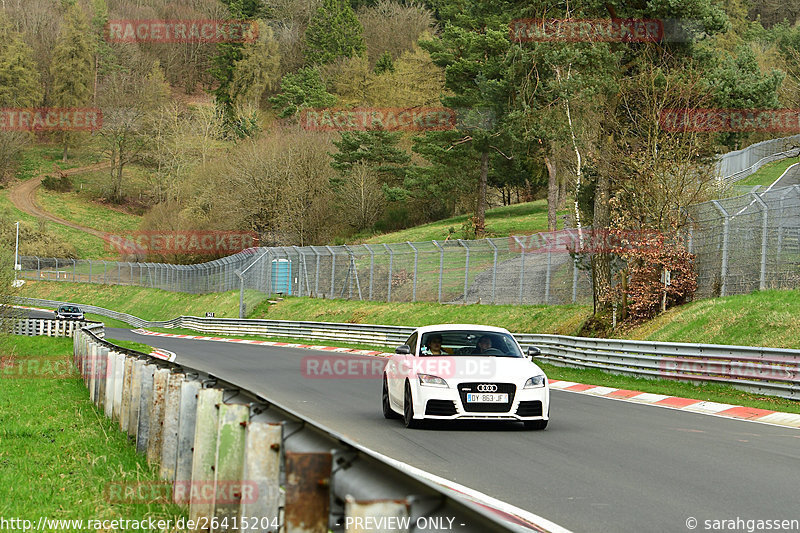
(439, 403)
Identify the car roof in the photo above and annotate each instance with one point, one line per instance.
(455, 327)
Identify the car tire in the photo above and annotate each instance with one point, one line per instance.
(408, 409)
(387, 408)
(535, 424)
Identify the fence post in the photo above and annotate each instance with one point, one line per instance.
(110, 381)
(391, 261)
(127, 384)
(521, 267)
(466, 269)
(119, 383)
(371, 268)
(333, 269)
(725, 237)
(762, 281)
(441, 268)
(494, 268)
(136, 398)
(416, 261)
(549, 270)
(169, 437)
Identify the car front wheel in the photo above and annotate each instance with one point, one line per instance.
(408, 409)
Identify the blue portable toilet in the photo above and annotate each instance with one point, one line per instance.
(282, 276)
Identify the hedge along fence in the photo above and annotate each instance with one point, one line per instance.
(241, 462)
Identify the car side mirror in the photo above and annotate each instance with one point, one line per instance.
(533, 351)
(403, 350)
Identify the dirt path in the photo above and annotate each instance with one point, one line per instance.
(23, 196)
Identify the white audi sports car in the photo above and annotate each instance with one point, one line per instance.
(465, 372)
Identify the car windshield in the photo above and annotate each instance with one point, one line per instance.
(469, 342)
(70, 309)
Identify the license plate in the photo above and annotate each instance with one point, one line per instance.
(487, 398)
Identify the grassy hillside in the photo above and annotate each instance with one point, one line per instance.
(767, 174)
(518, 219)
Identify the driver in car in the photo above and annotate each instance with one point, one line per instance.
(484, 344)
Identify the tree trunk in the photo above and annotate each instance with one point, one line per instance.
(601, 262)
(552, 193)
(480, 212)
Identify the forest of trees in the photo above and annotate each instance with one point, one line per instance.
(216, 126)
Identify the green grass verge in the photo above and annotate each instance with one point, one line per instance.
(767, 174)
(59, 453)
(149, 304)
(766, 318)
(131, 345)
(518, 219)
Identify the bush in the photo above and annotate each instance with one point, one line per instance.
(647, 256)
(58, 183)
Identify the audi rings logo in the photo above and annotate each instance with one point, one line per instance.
(487, 387)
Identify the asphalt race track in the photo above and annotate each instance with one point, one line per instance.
(602, 465)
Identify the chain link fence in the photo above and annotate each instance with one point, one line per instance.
(747, 243)
(528, 269)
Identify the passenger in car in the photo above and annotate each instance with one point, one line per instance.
(433, 346)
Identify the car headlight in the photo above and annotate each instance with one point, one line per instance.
(535, 382)
(431, 381)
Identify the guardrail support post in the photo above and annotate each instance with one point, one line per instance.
(145, 402)
(169, 437)
(307, 492)
(157, 408)
(373, 510)
(205, 452)
(228, 474)
(119, 374)
(110, 383)
(186, 431)
(262, 469)
(136, 398)
(127, 387)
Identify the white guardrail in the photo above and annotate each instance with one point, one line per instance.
(770, 371)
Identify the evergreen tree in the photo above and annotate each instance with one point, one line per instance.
(384, 64)
(223, 69)
(301, 90)
(73, 68)
(19, 78)
(333, 32)
(377, 149)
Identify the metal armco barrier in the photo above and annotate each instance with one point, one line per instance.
(771, 371)
(33, 327)
(240, 461)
